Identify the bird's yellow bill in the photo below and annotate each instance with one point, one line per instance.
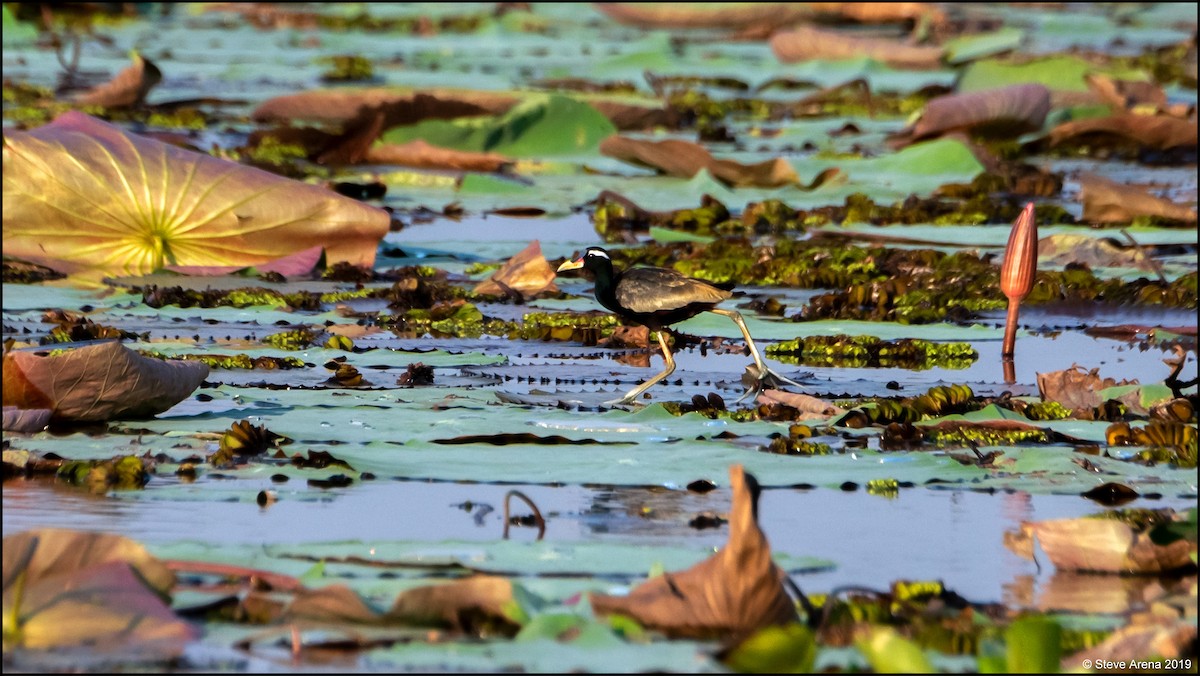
(571, 265)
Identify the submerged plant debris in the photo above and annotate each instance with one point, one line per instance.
(280, 304)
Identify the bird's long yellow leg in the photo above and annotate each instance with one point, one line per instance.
(764, 374)
(637, 391)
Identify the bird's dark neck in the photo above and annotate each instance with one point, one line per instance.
(606, 286)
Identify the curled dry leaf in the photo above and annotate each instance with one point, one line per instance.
(683, 159)
(1075, 388)
(1156, 132)
(127, 89)
(98, 382)
(1001, 112)
(1101, 545)
(81, 195)
(422, 155)
(1106, 201)
(528, 273)
(806, 42)
(808, 405)
(735, 592)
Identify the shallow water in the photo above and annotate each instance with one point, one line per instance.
(949, 534)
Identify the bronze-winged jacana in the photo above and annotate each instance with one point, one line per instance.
(658, 298)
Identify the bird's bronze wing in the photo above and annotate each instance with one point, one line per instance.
(647, 290)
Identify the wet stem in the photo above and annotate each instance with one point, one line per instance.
(1010, 328)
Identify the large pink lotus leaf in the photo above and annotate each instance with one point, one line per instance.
(299, 264)
(81, 195)
(98, 382)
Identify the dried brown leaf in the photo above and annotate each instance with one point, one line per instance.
(1101, 545)
(1157, 132)
(98, 382)
(128, 88)
(808, 405)
(805, 43)
(335, 604)
(343, 106)
(733, 593)
(527, 273)
(460, 605)
(683, 159)
(422, 155)
(1106, 201)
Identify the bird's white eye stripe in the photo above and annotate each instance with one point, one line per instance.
(597, 253)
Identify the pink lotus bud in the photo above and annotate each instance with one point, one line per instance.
(1020, 256)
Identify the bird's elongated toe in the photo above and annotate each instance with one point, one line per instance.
(756, 381)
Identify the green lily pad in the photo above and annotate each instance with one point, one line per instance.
(540, 125)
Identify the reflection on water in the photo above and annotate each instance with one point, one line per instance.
(955, 536)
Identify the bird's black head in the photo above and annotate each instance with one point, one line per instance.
(594, 259)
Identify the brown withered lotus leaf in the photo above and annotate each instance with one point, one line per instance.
(98, 382)
(421, 155)
(128, 88)
(684, 159)
(806, 42)
(1005, 111)
(527, 273)
(1102, 545)
(1075, 388)
(1106, 201)
(733, 593)
(1157, 132)
(81, 195)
